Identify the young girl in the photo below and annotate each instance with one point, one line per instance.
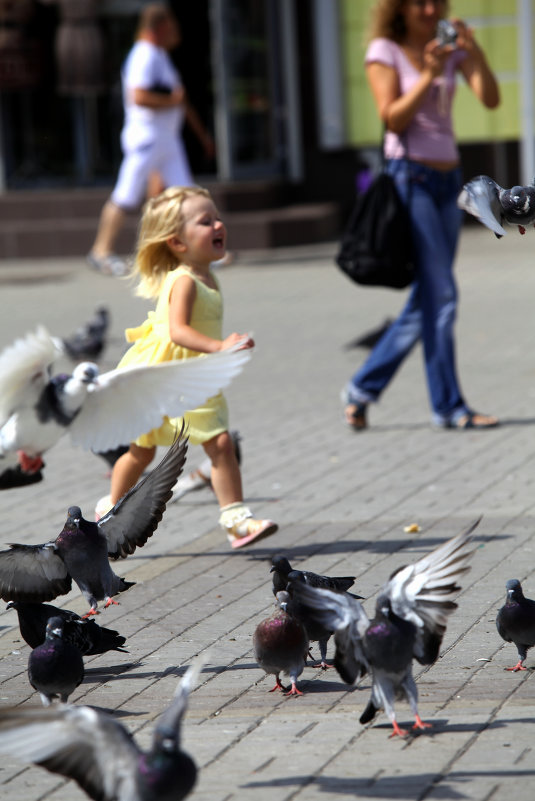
(181, 234)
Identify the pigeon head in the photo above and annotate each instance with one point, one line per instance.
(518, 200)
(85, 372)
(54, 628)
(514, 589)
(296, 576)
(74, 515)
(280, 564)
(383, 606)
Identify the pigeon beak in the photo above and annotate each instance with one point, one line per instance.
(273, 569)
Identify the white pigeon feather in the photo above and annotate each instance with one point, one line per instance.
(123, 404)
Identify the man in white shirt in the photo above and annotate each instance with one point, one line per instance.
(155, 107)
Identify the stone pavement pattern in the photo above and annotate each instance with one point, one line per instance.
(342, 501)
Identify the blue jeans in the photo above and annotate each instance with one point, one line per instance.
(429, 313)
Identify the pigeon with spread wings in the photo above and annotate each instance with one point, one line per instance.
(493, 205)
(97, 752)
(410, 621)
(82, 550)
(100, 411)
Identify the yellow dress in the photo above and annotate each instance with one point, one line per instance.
(152, 345)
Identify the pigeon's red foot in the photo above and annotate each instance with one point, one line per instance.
(397, 731)
(29, 464)
(294, 690)
(278, 686)
(109, 602)
(92, 611)
(517, 667)
(419, 724)
(521, 229)
(322, 665)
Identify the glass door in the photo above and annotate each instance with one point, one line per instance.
(252, 99)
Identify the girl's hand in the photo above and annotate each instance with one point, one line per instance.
(243, 341)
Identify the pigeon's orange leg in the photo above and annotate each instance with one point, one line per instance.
(294, 690)
(109, 602)
(419, 724)
(517, 667)
(29, 464)
(278, 686)
(92, 611)
(397, 731)
(521, 229)
(323, 665)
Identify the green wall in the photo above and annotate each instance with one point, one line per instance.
(495, 26)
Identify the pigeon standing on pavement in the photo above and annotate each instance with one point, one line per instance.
(410, 621)
(86, 635)
(56, 667)
(82, 550)
(280, 567)
(280, 645)
(100, 411)
(95, 750)
(88, 341)
(493, 206)
(315, 629)
(516, 621)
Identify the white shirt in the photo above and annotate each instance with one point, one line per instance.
(149, 67)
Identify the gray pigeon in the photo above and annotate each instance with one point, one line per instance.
(316, 631)
(96, 751)
(280, 567)
(100, 411)
(280, 645)
(82, 550)
(86, 635)
(55, 668)
(515, 622)
(492, 205)
(410, 621)
(89, 340)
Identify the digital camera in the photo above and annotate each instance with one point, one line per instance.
(446, 33)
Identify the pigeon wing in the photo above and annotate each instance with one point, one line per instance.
(125, 403)
(135, 517)
(32, 573)
(480, 197)
(337, 583)
(422, 592)
(24, 369)
(77, 742)
(344, 615)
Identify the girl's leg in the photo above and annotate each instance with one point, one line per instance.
(236, 519)
(128, 469)
(226, 476)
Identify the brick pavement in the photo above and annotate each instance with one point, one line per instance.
(342, 501)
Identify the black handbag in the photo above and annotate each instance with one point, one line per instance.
(376, 247)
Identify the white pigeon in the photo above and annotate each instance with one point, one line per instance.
(100, 411)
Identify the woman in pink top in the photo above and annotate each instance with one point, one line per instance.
(412, 77)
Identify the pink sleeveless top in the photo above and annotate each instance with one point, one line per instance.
(429, 137)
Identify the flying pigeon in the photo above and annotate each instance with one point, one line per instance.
(315, 629)
(492, 205)
(516, 621)
(280, 645)
(410, 621)
(280, 567)
(95, 750)
(82, 550)
(89, 340)
(86, 635)
(56, 667)
(99, 411)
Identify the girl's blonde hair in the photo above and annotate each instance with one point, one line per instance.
(162, 218)
(387, 20)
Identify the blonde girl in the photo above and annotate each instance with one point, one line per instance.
(181, 234)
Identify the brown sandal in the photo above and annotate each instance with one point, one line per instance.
(355, 415)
